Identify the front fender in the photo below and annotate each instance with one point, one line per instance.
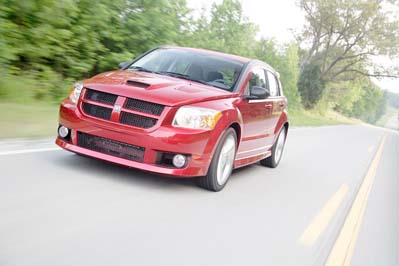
(230, 116)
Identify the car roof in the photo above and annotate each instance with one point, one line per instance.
(210, 52)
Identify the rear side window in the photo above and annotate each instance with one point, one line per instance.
(273, 84)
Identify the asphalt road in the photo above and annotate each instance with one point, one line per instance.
(57, 208)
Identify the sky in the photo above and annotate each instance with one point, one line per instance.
(277, 19)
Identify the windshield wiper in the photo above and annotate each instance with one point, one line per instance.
(182, 76)
(139, 68)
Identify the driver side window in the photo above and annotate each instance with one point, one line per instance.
(257, 78)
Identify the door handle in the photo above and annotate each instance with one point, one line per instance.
(268, 105)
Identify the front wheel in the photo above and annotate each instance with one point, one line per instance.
(222, 163)
(277, 151)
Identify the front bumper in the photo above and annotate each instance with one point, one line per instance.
(198, 145)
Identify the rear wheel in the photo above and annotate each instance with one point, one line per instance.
(277, 151)
(222, 163)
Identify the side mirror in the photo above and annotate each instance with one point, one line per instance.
(257, 92)
(123, 65)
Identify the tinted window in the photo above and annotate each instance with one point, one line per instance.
(212, 69)
(257, 79)
(273, 85)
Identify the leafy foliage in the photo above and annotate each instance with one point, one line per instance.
(311, 86)
(370, 106)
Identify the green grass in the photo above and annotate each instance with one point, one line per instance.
(28, 120)
(300, 118)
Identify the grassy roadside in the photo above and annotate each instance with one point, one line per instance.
(301, 118)
(39, 119)
(30, 120)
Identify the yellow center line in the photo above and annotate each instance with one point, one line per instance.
(342, 251)
(371, 148)
(323, 218)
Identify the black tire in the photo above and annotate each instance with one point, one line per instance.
(272, 161)
(210, 181)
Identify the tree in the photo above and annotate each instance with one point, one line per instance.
(371, 105)
(345, 94)
(227, 30)
(343, 36)
(310, 85)
(289, 74)
(80, 38)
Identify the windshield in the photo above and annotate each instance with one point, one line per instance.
(212, 70)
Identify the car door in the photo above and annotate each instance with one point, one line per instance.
(277, 99)
(257, 132)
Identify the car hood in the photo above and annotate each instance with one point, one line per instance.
(157, 88)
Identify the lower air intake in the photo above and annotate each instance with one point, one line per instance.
(111, 147)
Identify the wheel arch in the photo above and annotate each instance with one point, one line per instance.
(286, 125)
(282, 122)
(237, 128)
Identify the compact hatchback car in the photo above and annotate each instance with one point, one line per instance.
(179, 111)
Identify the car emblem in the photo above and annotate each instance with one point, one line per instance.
(117, 108)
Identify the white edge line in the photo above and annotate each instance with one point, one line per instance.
(28, 151)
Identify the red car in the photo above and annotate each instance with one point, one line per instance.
(179, 111)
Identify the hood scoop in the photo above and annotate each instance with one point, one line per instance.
(137, 84)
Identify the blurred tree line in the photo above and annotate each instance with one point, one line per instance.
(45, 45)
(392, 99)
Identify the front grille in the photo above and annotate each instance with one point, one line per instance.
(111, 147)
(145, 107)
(137, 120)
(97, 111)
(101, 97)
(132, 112)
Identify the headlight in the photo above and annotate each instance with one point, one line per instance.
(196, 117)
(75, 93)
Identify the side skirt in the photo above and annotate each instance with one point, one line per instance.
(252, 159)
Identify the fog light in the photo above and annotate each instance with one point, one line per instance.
(63, 131)
(179, 160)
